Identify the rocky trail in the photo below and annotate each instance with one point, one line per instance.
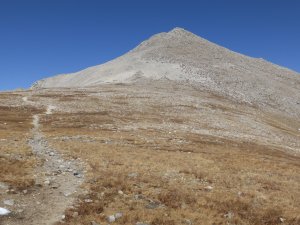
(57, 183)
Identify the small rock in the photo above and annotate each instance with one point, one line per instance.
(152, 205)
(75, 214)
(51, 154)
(55, 185)
(63, 217)
(94, 223)
(229, 215)
(208, 188)
(4, 212)
(20, 210)
(11, 191)
(57, 172)
(118, 215)
(187, 222)
(47, 182)
(9, 202)
(48, 174)
(133, 175)
(67, 194)
(25, 191)
(120, 192)
(111, 219)
(282, 219)
(3, 186)
(88, 200)
(77, 174)
(62, 166)
(139, 197)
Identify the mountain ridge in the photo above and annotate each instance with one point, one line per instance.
(182, 56)
(176, 32)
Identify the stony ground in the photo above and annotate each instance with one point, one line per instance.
(146, 153)
(54, 182)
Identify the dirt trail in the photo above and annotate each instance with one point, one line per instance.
(58, 181)
(58, 175)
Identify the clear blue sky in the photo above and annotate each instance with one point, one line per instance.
(41, 38)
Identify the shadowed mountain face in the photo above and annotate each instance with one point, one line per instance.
(184, 57)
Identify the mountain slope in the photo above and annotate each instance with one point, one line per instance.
(184, 57)
(177, 131)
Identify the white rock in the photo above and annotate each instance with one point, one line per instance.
(282, 219)
(133, 175)
(94, 223)
(47, 182)
(4, 212)
(67, 194)
(111, 219)
(229, 215)
(118, 215)
(3, 186)
(9, 202)
(187, 222)
(88, 200)
(208, 188)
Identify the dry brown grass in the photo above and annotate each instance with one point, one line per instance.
(145, 160)
(253, 183)
(17, 173)
(16, 159)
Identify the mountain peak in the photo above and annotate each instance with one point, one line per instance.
(179, 30)
(182, 56)
(182, 33)
(173, 37)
